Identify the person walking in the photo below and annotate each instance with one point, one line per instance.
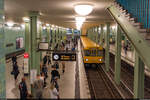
(53, 92)
(38, 87)
(23, 89)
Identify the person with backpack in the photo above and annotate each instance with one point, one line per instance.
(23, 89)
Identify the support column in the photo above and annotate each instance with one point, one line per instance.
(118, 55)
(2, 53)
(48, 34)
(101, 34)
(40, 36)
(97, 38)
(28, 41)
(107, 47)
(138, 78)
(34, 40)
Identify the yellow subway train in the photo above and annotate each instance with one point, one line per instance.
(92, 53)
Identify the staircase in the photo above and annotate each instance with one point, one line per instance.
(139, 26)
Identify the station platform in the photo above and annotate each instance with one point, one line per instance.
(72, 84)
(129, 57)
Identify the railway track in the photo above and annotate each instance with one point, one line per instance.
(127, 77)
(100, 85)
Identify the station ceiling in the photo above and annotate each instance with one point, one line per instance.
(58, 12)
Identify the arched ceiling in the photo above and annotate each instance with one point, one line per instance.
(58, 12)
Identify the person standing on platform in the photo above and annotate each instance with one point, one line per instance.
(56, 65)
(63, 66)
(23, 89)
(53, 92)
(38, 87)
(45, 59)
(15, 71)
(44, 71)
(126, 49)
(14, 59)
(54, 73)
(49, 59)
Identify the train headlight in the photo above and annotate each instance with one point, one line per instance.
(86, 59)
(100, 59)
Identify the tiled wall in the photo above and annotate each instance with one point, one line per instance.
(2, 54)
(11, 34)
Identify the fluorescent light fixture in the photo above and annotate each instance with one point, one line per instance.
(83, 9)
(47, 25)
(22, 25)
(105, 28)
(113, 27)
(44, 27)
(39, 22)
(53, 26)
(10, 24)
(26, 19)
(80, 19)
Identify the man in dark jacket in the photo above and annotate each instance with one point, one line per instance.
(23, 89)
(54, 73)
(14, 58)
(45, 60)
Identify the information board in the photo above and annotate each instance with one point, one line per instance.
(43, 46)
(64, 56)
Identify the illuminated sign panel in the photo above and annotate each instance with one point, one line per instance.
(64, 56)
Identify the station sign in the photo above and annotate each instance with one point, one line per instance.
(43, 46)
(64, 56)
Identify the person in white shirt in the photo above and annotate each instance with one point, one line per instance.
(53, 92)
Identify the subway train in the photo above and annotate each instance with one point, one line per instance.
(92, 53)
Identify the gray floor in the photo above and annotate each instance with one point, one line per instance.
(66, 82)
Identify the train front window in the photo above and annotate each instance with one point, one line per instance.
(93, 53)
(87, 52)
(99, 52)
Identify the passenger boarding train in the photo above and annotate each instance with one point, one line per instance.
(92, 53)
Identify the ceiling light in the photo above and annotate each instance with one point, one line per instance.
(113, 27)
(47, 25)
(80, 19)
(26, 19)
(83, 9)
(10, 24)
(22, 25)
(44, 27)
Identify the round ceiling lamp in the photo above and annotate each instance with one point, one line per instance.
(83, 9)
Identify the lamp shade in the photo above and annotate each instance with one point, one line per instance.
(83, 9)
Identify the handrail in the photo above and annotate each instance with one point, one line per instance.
(139, 43)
